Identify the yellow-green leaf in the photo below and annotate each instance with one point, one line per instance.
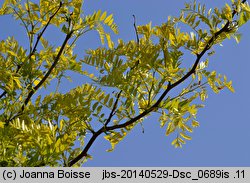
(36, 82)
(110, 43)
(195, 123)
(17, 81)
(106, 99)
(170, 128)
(2, 124)
(103, 16)
(186, 127)
(185, 136)
(108, 19)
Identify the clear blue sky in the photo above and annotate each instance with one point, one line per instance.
(223, 139)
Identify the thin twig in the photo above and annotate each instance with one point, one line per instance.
(45, 27)
(25, 25)
(193, 89)
(112, 113)
(137, 41)
(136, 32)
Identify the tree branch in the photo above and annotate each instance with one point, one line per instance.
(96, 134)
(87, 147)
(34, 50)
(37, 41)
(32, 92)
(170, 86)
(41, 33)
(3, 94)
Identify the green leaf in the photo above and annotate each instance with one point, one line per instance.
(98, 13)
(106, 99)
(108, 19)
(170, 128)
(243, 19)
(103, 16)
(12, 53)
(185, 136)
(17, 81)
(186, 127)
(38, 99)
(99, 108)
(110, 104)
(65, 29)
(110, 43)
(229, 86)
(237, 37)
(195, 123)
(44, 42)
(176, 142)
(94, 106)
(2, 124)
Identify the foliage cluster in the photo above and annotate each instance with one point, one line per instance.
(43, 130)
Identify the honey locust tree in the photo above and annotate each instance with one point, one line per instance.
(132, 79)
